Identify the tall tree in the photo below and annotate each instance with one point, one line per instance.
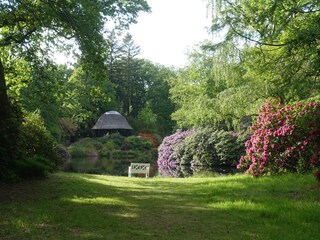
(284, 36)
(32, 27)
(126, 75)
(211, 89)
(87, 95)
(41, 94)
(157, 96)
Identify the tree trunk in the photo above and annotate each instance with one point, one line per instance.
(4, 101)
(8, 130)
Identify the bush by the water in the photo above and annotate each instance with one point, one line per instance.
(210, 146)
(284, 138)
(115, 147)
(168, 162)
(85, 147)
(138, 143)
(202, 147)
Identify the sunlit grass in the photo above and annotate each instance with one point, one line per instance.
(80, 206)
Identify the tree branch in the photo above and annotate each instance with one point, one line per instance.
(17, 39)
(256, 41)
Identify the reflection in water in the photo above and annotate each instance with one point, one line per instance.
(115, 167)
(97, 165)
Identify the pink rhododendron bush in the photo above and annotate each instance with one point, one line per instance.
(284, 138)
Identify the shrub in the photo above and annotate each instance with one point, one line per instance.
(77, 151)
(211, 147)
(62, 153)
(284, 138)
(86, 147)
(168, 162)
(109, 145)
(36, 144)
(68, 129)
(34, 167)
(138, 143)
(206, 147)
(116, 138)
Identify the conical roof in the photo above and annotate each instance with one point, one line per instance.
(112, 120)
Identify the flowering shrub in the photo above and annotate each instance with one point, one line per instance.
(168, 162)
(284, 138)
(206, 147)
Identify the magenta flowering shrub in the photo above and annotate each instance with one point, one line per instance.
(168, 162)
(284, 138)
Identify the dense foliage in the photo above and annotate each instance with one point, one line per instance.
(115, 147)
(212, 90)
(106, 75)
(211, 147)
(168, 161)
(284, 138)
(266, 49)
(199, 148)
(284, 36)
(269, 50)
(37, 151)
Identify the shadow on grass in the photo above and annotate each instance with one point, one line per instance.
(75, 206)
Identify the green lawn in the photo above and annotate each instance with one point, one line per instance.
(79, 206)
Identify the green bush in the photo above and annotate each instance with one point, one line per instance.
(34, 167)
(38, 152)
(110, 145)
(210, 147)
(117, 139)
(119, 155)
(77, 151)
(63, 153)
(86, 147)
(138, 143)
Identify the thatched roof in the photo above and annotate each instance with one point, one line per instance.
(112, 120)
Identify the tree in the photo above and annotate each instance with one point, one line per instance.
(284, 38)
(24, 27)
(157, 95)
(86, 95)
(30, 28)
(130, 86)
(41, 94)
(263, 55)
(114, 52)
(211, 89)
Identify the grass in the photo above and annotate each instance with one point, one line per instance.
(80, 206)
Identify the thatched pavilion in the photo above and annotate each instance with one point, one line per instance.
(111, 122)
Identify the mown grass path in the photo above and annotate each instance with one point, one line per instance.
(80, 206)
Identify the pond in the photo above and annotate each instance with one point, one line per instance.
(115, 167)
(96, 165)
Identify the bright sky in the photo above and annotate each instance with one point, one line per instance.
(173, 28)
(167, 33)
